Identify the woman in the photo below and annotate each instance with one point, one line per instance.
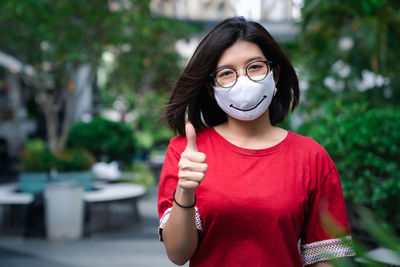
(236, 190)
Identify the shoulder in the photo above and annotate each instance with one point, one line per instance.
(315, 158)
(306, 146)
(306, 143)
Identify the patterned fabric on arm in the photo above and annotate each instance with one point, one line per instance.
(326, 250)
(165, 218)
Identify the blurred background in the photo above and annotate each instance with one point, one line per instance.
(82, 86)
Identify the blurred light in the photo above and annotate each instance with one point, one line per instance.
(29, 70)
(46, 66)
(341, 68)
(370, 80)
(120, 104)
(101, 76)
(108, 57)
(296, 9)
(248, 9)
(13, 64)
(186, 49)
(117, 5)
(303, 85)
(333, 84)
(44, 45)
(126, 48)
(346, 43)
(86, 117)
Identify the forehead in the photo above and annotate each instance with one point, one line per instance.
(239, 53)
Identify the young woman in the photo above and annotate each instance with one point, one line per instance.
(235, 189)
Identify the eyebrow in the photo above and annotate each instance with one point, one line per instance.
(247, 62)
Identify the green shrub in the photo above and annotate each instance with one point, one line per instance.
(35, 157)
(76, 159)
(365, 145)
(106, 140)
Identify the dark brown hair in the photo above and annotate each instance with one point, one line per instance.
(191, 91)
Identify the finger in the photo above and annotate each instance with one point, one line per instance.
(191, 176)
(191, 137)
(198, 157)
(188, 165)
(186, 184)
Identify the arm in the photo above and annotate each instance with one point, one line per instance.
(180, 232)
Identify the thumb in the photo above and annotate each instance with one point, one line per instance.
(191, 137)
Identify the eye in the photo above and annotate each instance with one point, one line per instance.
(256, 66)
(225, 73)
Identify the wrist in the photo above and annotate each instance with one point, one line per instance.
(184, 197)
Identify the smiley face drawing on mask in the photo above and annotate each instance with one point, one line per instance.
(247, 99)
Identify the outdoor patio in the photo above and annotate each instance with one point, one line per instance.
(137, 245)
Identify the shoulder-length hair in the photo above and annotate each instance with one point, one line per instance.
(191, 93)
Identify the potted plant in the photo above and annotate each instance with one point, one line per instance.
(38, 166)
(74, 164)
(35, 163)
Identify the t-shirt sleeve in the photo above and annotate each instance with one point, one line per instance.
(166, 188)
(326, 230)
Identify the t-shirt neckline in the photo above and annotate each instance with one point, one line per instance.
(254, 152)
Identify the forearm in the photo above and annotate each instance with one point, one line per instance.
(180, 232)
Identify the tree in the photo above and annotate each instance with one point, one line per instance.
(58, 38)
(350, 50)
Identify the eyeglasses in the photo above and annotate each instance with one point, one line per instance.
(226, 77)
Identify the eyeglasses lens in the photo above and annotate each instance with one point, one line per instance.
(256, 71)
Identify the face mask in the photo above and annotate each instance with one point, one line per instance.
(247, 99)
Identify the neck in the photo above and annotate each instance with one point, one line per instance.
(255, 134)
(258, 127)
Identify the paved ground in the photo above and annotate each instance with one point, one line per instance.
(134, 246)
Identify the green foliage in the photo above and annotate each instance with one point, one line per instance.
(57, 37)
(377, 230)
(36, 157)
(77, 159)
(139, 173)
(364, 142)
(151, 133)
(342, 39)
(147, 59)
(106, 140)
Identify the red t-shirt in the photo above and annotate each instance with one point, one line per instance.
(253, 206)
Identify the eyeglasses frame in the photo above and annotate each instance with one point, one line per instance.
(267, 62)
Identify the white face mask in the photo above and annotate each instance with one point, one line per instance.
(247, 99)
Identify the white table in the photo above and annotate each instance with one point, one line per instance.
(14, 203)
(9, 196)
(113, 192)
(106, 195)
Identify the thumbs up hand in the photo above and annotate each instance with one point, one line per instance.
(192, 165)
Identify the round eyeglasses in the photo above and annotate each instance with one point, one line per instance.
(226, 77)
